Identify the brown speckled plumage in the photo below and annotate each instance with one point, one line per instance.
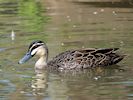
(72, 59)
(86, 58)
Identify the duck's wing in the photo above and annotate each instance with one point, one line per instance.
(107, 56)
(105, 50)
(98, 57)
(85, 58)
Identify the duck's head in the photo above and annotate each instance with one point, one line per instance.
(36, 48)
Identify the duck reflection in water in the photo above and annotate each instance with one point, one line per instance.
(39, 83)
(50, 81)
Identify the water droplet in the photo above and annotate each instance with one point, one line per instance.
(95, 13)
(74, 26)
(102, 10)
(114, 12)
(22, 92)
(67, 16)
(62, 44)
(114, 29)
(13, 35)
(96, 78)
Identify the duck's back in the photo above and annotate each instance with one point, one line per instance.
(86, 58)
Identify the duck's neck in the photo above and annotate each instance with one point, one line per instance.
(41, 63)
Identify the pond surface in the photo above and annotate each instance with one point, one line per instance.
(63, 25)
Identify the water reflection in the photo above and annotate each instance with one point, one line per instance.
(39, 83)
(30, 15)
(21, 16)
(69, 85)
(72, 26)
(6, 87)
(95, 73)
(66, 84)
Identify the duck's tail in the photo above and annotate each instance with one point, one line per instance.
(116, 58)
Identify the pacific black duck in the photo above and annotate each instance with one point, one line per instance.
(72, 59)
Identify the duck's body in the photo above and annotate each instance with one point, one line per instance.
(73, 59)
(86, 58)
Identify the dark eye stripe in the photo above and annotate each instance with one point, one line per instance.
(34, 47)
(36, 42)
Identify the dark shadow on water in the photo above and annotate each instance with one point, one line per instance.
(109, 4)
(93, 73)
(9, 8)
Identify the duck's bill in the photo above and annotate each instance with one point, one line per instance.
(25, 58)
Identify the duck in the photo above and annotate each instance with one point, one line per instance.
(72, 59)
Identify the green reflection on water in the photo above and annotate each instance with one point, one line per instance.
(22, 16)
(31, 16)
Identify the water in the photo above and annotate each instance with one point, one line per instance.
(63, 25)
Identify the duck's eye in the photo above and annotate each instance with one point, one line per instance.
(35, 46)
